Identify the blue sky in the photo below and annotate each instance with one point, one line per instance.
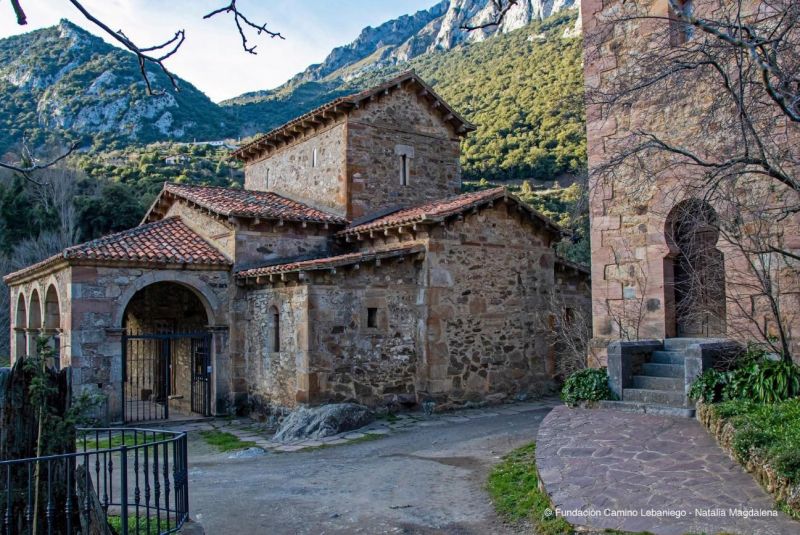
(212, 58)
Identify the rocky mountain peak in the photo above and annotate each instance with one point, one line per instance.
(438, 28)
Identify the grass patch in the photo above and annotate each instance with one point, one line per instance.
(225, 441)
(770, 430)
(514, 488)
(115, 523)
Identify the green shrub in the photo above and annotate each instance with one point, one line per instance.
(765, 381)
(770, 430)
(709, 386)
(590, 384)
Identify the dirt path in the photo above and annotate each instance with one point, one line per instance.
(427, 480)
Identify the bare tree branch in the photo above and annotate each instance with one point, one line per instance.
(22, 19)
(168, 48)
(239, 18)
(502, 7)
(157, 54)
(29, 165)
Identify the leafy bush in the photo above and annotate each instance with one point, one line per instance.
(590, 384)
(708, 387)
(767, 381)
(755, 377)
(770, 430)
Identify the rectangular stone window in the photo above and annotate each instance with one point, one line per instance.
(266, 178)
(372, 318)
(404, 171)
(314, 157)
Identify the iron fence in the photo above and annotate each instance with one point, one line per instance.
(135, 481)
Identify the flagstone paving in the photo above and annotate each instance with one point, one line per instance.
(596, 461)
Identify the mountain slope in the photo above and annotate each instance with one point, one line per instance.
(523, 89)
(64, 83)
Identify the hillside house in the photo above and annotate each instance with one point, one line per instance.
(350, 267)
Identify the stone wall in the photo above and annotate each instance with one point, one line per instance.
(274, 378)
(268, 242)
(290, 172)
(632, 261)
(218, 233)
(99, 296)
(380, 133)
(353, 361)
(487, 315)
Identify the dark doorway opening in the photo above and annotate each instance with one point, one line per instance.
(166, 354)
(694, 272)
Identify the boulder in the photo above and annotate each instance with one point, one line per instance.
(323, 421)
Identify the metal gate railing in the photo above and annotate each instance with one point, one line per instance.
(135, 480)
(151, 373)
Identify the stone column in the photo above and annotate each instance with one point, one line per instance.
(112, 349)
(220, 369)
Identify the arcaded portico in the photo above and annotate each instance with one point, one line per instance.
(91, 290)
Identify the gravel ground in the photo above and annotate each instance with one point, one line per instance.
(427, 480)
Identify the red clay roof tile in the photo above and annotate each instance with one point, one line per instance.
(331, 261)
(443, 208)
(168, 241)
(249, 203)
(348, 102)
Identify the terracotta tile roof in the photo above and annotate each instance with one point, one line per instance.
(168, 241)
(349, 102)
(246, 203)
(331, 261)
(441, 209)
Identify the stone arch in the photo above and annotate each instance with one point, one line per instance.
(52, 320)
(204, 294)
(20, 327)
(694, 271)
(52, 309)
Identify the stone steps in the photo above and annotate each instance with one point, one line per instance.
(648, 382)
(658, 397)
(662, 370)
(667, 357)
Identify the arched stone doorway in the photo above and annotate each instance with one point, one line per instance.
(694, 272)
(166, 347)
(20, 329)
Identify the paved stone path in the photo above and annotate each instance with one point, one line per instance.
(594, 461)
(251, 431)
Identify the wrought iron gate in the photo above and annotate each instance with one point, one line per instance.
(151, 373)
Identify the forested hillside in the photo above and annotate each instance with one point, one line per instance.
(62, 84)
(524, 91)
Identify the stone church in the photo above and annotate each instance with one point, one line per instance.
(350, 267)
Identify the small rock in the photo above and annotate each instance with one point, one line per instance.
(323, 421)
(248, 453)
